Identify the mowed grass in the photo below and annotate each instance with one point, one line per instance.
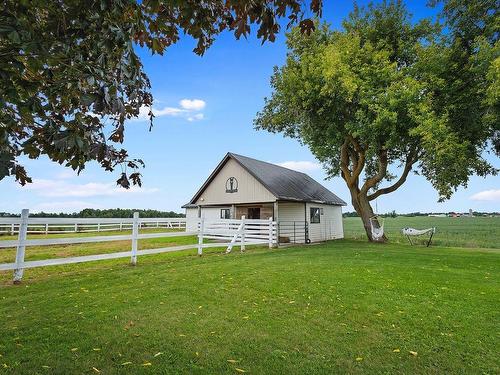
(339, 307)
(483, 232)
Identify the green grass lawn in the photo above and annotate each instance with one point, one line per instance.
(340, 307)
(462, 232)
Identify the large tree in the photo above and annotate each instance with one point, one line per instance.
(70, 76)
(386, 96)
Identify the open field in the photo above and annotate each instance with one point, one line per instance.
(462, 232)
(343, 306)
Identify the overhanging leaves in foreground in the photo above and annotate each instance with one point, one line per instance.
(70, 77)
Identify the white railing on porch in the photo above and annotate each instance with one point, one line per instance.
(47, 225)
(236, 232)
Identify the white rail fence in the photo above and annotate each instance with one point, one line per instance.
(11, 225)
(224, 232)
(239, 232)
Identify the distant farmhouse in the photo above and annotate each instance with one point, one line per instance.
(241, 186)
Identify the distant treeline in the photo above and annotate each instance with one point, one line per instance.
(412, 214)
(111, 213)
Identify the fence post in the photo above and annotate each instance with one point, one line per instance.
(11, 229)
(271, 232)
(200, 236)
(21, 246)
(121, 226)
(98, 227)
(243, 229)
(76, 227)
(135, 233)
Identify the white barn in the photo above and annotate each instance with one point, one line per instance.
(241, 186)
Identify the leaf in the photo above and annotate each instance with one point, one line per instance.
(239, 369)
(147, 364)
(126, 363)
(14, 37)
(96, 369)
(123, 181)
(396, 351)
(157, 354)
(74, 349)
(413, 353)
(232, 361)
(306, 26)
(358, 359)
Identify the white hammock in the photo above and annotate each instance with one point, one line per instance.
(408, 232)
(417, 232)
(377, 232)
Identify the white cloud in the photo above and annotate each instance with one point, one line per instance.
(192, 104)
(65, 206)
(61, 188)
(167, 111)
(301, 166)
(188, 109)
(196, 117)
(65, 174)
(487, 195)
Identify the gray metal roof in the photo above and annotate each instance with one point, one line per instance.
(189, 205)
(283, 183)
(287, 184)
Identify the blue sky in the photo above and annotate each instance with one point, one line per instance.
(205, 107)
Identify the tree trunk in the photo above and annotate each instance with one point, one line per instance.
(365, 211)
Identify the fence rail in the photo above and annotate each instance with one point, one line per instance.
(226, 232)
(51, 225)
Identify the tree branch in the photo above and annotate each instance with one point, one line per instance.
(382, 172)
(357, 155)
(410, 160)
(344, 164)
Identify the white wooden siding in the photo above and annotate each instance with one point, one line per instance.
(291, 211)
(249, 189)
(291, 221)
(191, 219)
(330, 226)
(212, 213)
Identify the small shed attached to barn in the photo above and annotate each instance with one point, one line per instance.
(241, 186)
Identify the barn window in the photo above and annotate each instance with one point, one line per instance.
(315, 215)
(225, 213)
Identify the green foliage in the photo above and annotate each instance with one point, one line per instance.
(386, 92)
(70, 76)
